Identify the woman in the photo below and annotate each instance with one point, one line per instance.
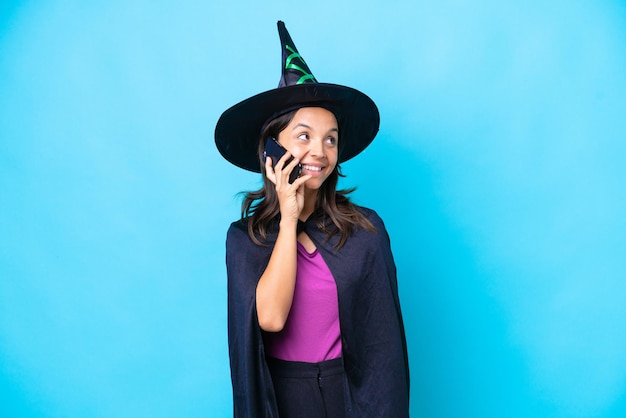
(315, 327)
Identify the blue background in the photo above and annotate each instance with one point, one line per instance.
(499, 170)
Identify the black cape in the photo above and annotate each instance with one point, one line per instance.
(372, 331)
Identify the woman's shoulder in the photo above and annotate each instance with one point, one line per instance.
(371, 215)
(368, 212)
(238, 232)
(240, 224)
(236, 227)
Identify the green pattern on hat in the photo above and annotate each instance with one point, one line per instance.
(289, 65)
(295, 70)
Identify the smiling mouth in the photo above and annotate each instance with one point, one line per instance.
(311, 168)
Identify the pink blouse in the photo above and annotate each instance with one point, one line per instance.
(311, 333)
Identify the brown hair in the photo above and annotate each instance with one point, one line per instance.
(261, 207)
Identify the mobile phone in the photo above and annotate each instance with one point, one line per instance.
(275, 151)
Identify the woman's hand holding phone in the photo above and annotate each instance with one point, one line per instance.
(290, 193)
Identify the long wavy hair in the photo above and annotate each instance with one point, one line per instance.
(261, 207)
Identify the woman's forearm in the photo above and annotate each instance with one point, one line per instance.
(274, 292)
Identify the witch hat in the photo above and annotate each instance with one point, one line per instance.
(238, 129)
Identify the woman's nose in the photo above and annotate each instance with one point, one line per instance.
(317, 148)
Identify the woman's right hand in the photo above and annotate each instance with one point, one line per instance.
(290, 195)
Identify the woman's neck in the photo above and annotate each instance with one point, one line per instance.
(310, 200)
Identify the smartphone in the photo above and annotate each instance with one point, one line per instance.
(275, 151)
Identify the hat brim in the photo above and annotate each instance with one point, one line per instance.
(238, 130)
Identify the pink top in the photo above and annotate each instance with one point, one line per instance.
(311, 333)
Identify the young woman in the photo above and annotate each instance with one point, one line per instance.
(315, 327)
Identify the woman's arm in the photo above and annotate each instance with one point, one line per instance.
(274, 292)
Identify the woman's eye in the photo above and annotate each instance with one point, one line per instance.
(331, 140)
(303, 136)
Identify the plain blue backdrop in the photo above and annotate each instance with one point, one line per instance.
(499, 170)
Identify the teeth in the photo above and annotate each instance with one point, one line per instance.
(312, 168)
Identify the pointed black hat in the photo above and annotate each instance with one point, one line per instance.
(238, 130)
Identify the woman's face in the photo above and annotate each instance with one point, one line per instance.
(312, 136)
